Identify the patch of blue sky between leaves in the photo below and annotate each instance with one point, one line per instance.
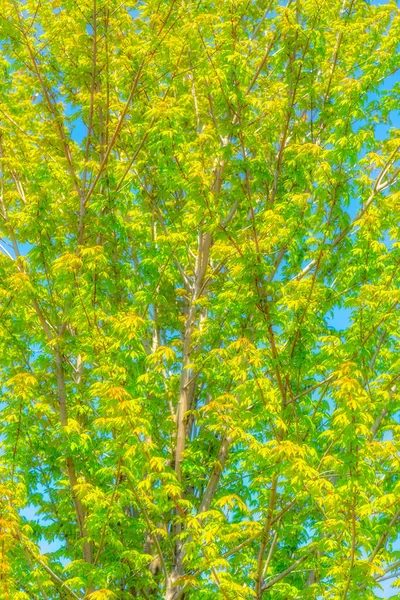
(379, 2)
(77, 127)
(387, 240)
(78, 130)
(45, 546)
(353, 208)
(386, 590)
(339, 318)
(134, 13)
(7, 249)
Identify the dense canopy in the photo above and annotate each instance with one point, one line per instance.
(199, 294)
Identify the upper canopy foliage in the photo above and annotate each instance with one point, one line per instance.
(199, 289)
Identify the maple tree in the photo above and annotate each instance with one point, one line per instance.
(199, 289)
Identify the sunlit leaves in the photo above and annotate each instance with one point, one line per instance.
(199, 296)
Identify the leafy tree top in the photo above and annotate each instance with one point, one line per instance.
(199, 289)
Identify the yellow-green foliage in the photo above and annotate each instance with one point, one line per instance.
(199, 290)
